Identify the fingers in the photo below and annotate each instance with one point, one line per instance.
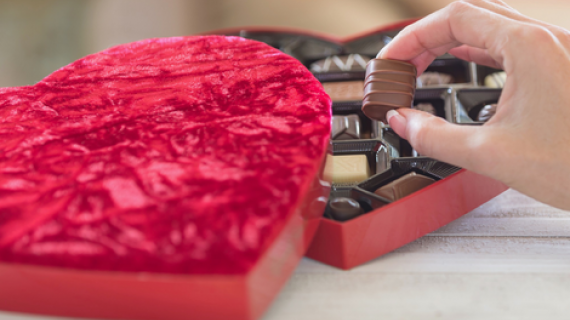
(457, 24)
(434, 137)
(477, 55)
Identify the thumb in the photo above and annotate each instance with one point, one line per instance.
(460, 145)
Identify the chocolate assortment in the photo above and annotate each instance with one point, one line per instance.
(371, 166)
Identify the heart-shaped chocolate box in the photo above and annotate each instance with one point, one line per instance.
(151, 295)
(175, 178)
(450, 87)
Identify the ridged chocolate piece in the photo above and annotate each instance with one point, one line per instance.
(389, 84)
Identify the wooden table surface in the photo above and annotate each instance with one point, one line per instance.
(508, 259)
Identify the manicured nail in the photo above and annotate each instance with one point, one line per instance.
(391, 114)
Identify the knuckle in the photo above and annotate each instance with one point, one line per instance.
(534, 36)
(536, 33)
(562, 35)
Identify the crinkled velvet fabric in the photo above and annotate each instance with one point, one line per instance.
(177, 155)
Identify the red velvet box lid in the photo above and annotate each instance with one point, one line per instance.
(169, 178)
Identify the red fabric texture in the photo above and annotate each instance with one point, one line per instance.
(176, 155)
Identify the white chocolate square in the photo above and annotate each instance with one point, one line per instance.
(351, 169)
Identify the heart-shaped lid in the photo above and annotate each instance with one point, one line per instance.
(175, 155)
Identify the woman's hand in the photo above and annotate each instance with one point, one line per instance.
(526, 144)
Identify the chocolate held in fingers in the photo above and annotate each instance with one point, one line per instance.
(388, 85)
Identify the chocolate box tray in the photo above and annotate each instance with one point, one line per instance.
(454, 87)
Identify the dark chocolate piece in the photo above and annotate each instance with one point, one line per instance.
(428, 79)
(342, 209)
(389, 84)
(351, 62)
(404, 186)
(487, 112)
(346, 127)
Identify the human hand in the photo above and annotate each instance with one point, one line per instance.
(526, 144)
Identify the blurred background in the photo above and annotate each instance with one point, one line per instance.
(39, 36)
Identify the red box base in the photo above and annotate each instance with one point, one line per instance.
(348, 244)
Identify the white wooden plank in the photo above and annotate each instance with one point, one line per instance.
(510, 214)
(423, 296)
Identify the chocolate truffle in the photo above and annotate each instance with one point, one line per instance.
(389, 84)
(428, 79)
(404, 186)
(346, 127)
(351, 62)
(342, 209)
(496, 80)
(487, 112)
(347, 170)
(345, 90)
(426, 107)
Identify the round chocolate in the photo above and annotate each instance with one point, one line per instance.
(343, 209)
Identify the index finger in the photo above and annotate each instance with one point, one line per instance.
(457, 24)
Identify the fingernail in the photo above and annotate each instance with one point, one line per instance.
(390, 114)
